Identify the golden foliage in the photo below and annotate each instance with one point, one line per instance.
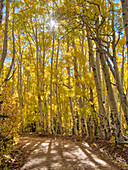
(9, 126)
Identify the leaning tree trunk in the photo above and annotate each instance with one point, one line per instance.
(123, 97)
(113, 103)
(99, 77)
(103, 117)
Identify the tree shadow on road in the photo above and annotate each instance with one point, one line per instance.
(53, 153)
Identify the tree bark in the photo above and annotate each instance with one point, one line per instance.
(13, 37)
(4, 54)
(1, 13)
(58, 112)
(20, 82)
(70, 98)
(113, 103)
(103, 119)
(38, 85)
(51, 84)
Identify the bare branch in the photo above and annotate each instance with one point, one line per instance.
(11, 76)
(117, 40)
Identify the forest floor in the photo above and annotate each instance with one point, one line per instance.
(54, 152)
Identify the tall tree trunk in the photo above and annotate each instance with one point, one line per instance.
(92, 127)
(44, 94)
(51, 84)
(103, 118)
(77, 86)
(82, 100)
(123, 97)
(125, 19)
(113, 103)
(1, 13)
(58, 115)
(70, 98)
(38, 85)
(122, 80)
(102, 134)
(13, 37)
(20, 82)
(4, 53)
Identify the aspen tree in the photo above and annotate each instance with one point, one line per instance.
(113, 103)
(115, 72)
(122, 80)
(82, 103)
(51, 80)
(99, 77)
(20, 80)
(44, 94)
(103, 117)
(1, 13)
(70, 98)
(58, 111)
(77, 84)
(125, 19)
(14, 51)
(91, 99)
(38, 84)
(4, 53)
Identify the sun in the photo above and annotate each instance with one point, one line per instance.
(53, 23)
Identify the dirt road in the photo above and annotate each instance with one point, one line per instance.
(53, 154)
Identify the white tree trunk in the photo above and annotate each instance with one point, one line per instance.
(4, 53)
(103, 119)
(113, 103)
